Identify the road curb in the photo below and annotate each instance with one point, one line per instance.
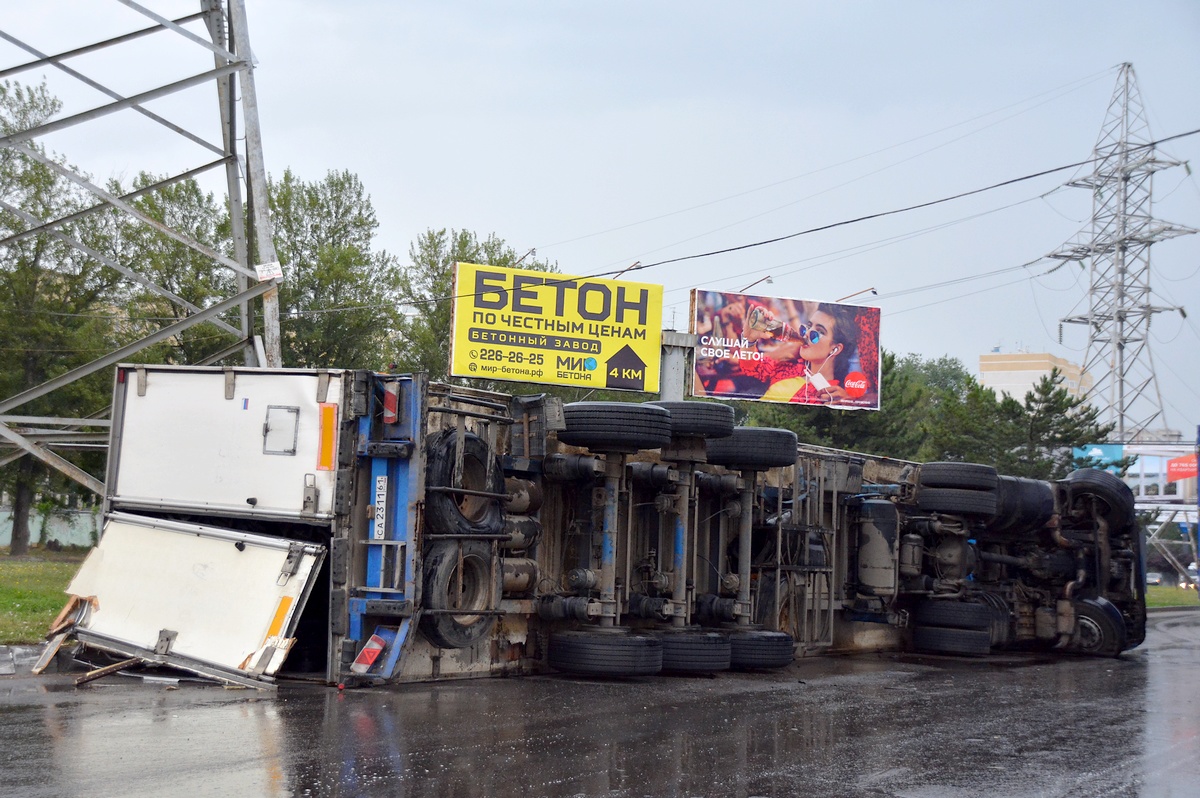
(13, 658)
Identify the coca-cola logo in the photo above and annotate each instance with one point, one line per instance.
(855, 384)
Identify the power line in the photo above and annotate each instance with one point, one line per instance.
(906, 209)
(870, 246)
(1049, 94)
(808, 231)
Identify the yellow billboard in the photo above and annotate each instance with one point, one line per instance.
(529, 326)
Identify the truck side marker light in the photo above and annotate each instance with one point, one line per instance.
(366, 658)
(391, 402)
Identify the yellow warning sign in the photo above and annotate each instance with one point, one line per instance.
(528, 326)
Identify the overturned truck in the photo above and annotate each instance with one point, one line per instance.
(355, 527)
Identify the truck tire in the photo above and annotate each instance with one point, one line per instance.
(755, 649)
(440, 591)
(1021, 505)
(954, 614)
(754, 448)
(1099, 629)
(957, 501)
(940, 640)
(459, 514)
(765, 612)
(695, 652)
(1108, 488)
(699, 419)
(596, 653)
(618, 427)
(971, 476)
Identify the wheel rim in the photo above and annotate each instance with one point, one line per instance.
(474, 595)
(1091, 635)
(474, 477)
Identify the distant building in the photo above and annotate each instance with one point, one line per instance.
(1015, 373)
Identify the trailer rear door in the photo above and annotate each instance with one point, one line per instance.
(216, 602)
(233, 442)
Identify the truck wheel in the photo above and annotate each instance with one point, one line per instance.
(616, 426)
(754, 448)
(971, 476)
(699, 419)
(596, 653)
(480, 586)
(1105, 486)
(1099, 629)
(695, 652)
(1021, 505)
(765, 613)
(761, 649)
(940, 640)
(461, 514)
(957, 501)
(954, 614)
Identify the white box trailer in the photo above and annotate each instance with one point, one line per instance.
(256, 444)
(314, 476)
(353, 526)
(218, 514)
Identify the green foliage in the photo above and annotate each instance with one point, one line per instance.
(32, 594)
(55, 300)
(908, 398)
(177, 268)
(339, 302)
(1169, 596)
(933, 409)
(1033, 438)
(427, 286)
(940, 375)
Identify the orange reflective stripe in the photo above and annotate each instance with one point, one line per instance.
(281, 613)
(327, 446)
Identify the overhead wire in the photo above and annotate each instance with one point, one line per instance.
(953, 298)
(805, 232)
(1057, 92)
(897, 211)
(826, 258)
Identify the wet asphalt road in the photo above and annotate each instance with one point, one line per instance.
(848, 726)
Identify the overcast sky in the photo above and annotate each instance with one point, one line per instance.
(608, 133)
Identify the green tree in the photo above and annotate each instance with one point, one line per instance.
(1053, 424)
(1034, 438)
(895, 430)
(340, 298)
(426, 290)
(944, 373)
(176, 267)
(971, 427)
(55, 303)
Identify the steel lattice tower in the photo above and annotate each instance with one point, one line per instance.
(1117, 253)
(227, 49)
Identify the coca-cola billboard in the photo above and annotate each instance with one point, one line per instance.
(771, 349)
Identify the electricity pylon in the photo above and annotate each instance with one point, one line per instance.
(227, 44)
(1117, 254)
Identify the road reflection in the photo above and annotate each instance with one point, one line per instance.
(870, 726)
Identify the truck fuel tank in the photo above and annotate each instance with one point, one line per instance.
(878, 527)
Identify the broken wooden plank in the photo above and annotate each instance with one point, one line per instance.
(91, 676)
(68, 614)
(51, 649)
